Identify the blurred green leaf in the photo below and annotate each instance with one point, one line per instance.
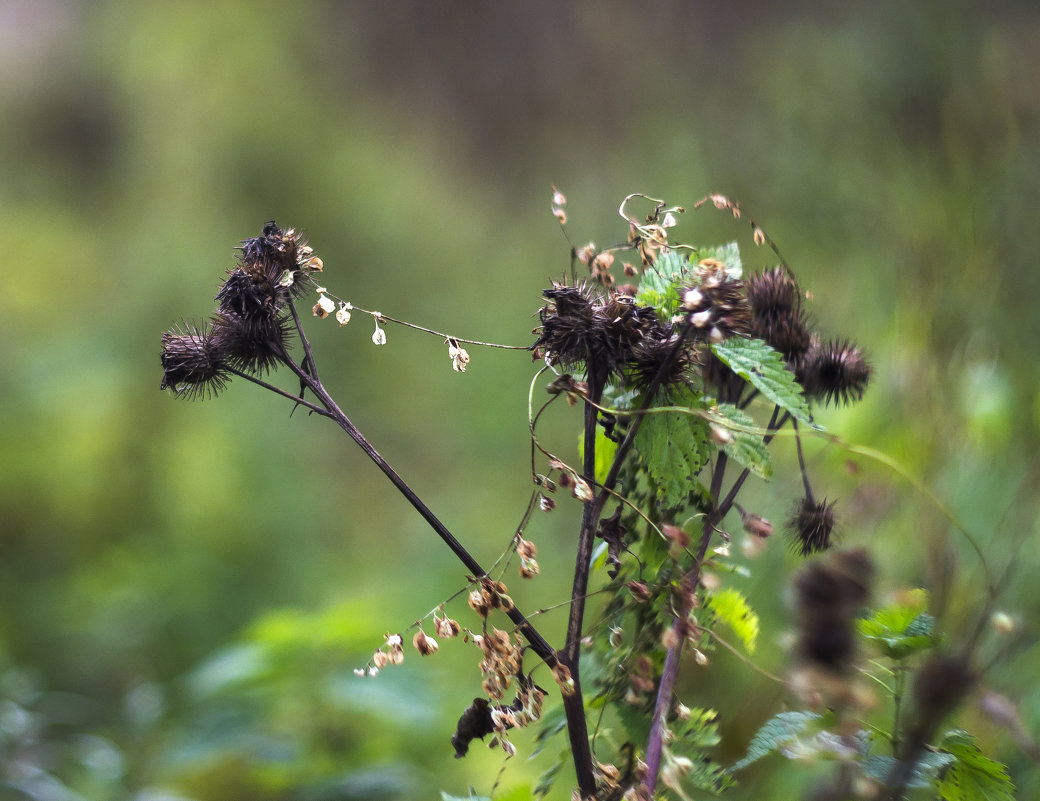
(731, 607)
(973, 776)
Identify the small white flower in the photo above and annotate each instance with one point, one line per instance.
(701, 319)
(394, 640)
(343, 315)
(360, 672)
(582, 491)
(327, 304)
(669, 221)
(373, 671)
(692, 299)
(286, 278)
(459, 360)
(379, 336)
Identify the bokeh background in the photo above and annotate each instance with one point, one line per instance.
(185, 588)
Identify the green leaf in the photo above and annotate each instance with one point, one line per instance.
(775, 732)
(471, 797)
(731, 607)
(605, 450)
(728, 254)
(973, 776)
(901, 630)
(673, 448)
(756, 362)
(879, 766)
(659, 286)
(745, 447)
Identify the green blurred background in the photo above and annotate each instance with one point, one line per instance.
(185, 588)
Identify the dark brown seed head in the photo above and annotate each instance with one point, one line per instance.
(193, 364)
(834, 371)
(811, 525)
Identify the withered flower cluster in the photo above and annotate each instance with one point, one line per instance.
(830, 596)
(250, 328)
(602, 332)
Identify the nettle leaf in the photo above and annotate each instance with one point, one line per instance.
(972, 776)
(605, 450)
(901, 630)
(729, 255)
(659, 286)
(774, 734)
(878, 767)
(745, 447)
(673, 448)
(762, 366)
(731, 607)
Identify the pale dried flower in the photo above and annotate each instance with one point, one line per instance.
(424, 643)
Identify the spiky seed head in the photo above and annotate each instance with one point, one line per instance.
(194, 364)
(835, 371)
(811, 525)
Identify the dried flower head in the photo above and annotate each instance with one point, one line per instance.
(776, 312)
(829, 597)
(834, 371)
(580, 327)
(268, 273)
(811, 525)
(252, 344)
(716, 305)
(194, 365)
(424, 643)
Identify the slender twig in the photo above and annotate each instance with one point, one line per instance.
(279, 391)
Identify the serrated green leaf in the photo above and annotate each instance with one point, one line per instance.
(745, 447)
(972, 776)
(731, 607)
(673, 448)
(901, 630)
(729, 255)
(756, 362)
(878, 767)
(659, 286)
(775, 732)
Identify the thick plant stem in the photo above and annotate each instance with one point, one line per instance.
(574, 705)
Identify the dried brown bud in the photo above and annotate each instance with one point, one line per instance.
(424, 643)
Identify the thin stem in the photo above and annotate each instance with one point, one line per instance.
(279, 391)
(801, 464)
(379, 316)
(897, 703)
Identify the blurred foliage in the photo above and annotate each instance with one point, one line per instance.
(891, 149)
